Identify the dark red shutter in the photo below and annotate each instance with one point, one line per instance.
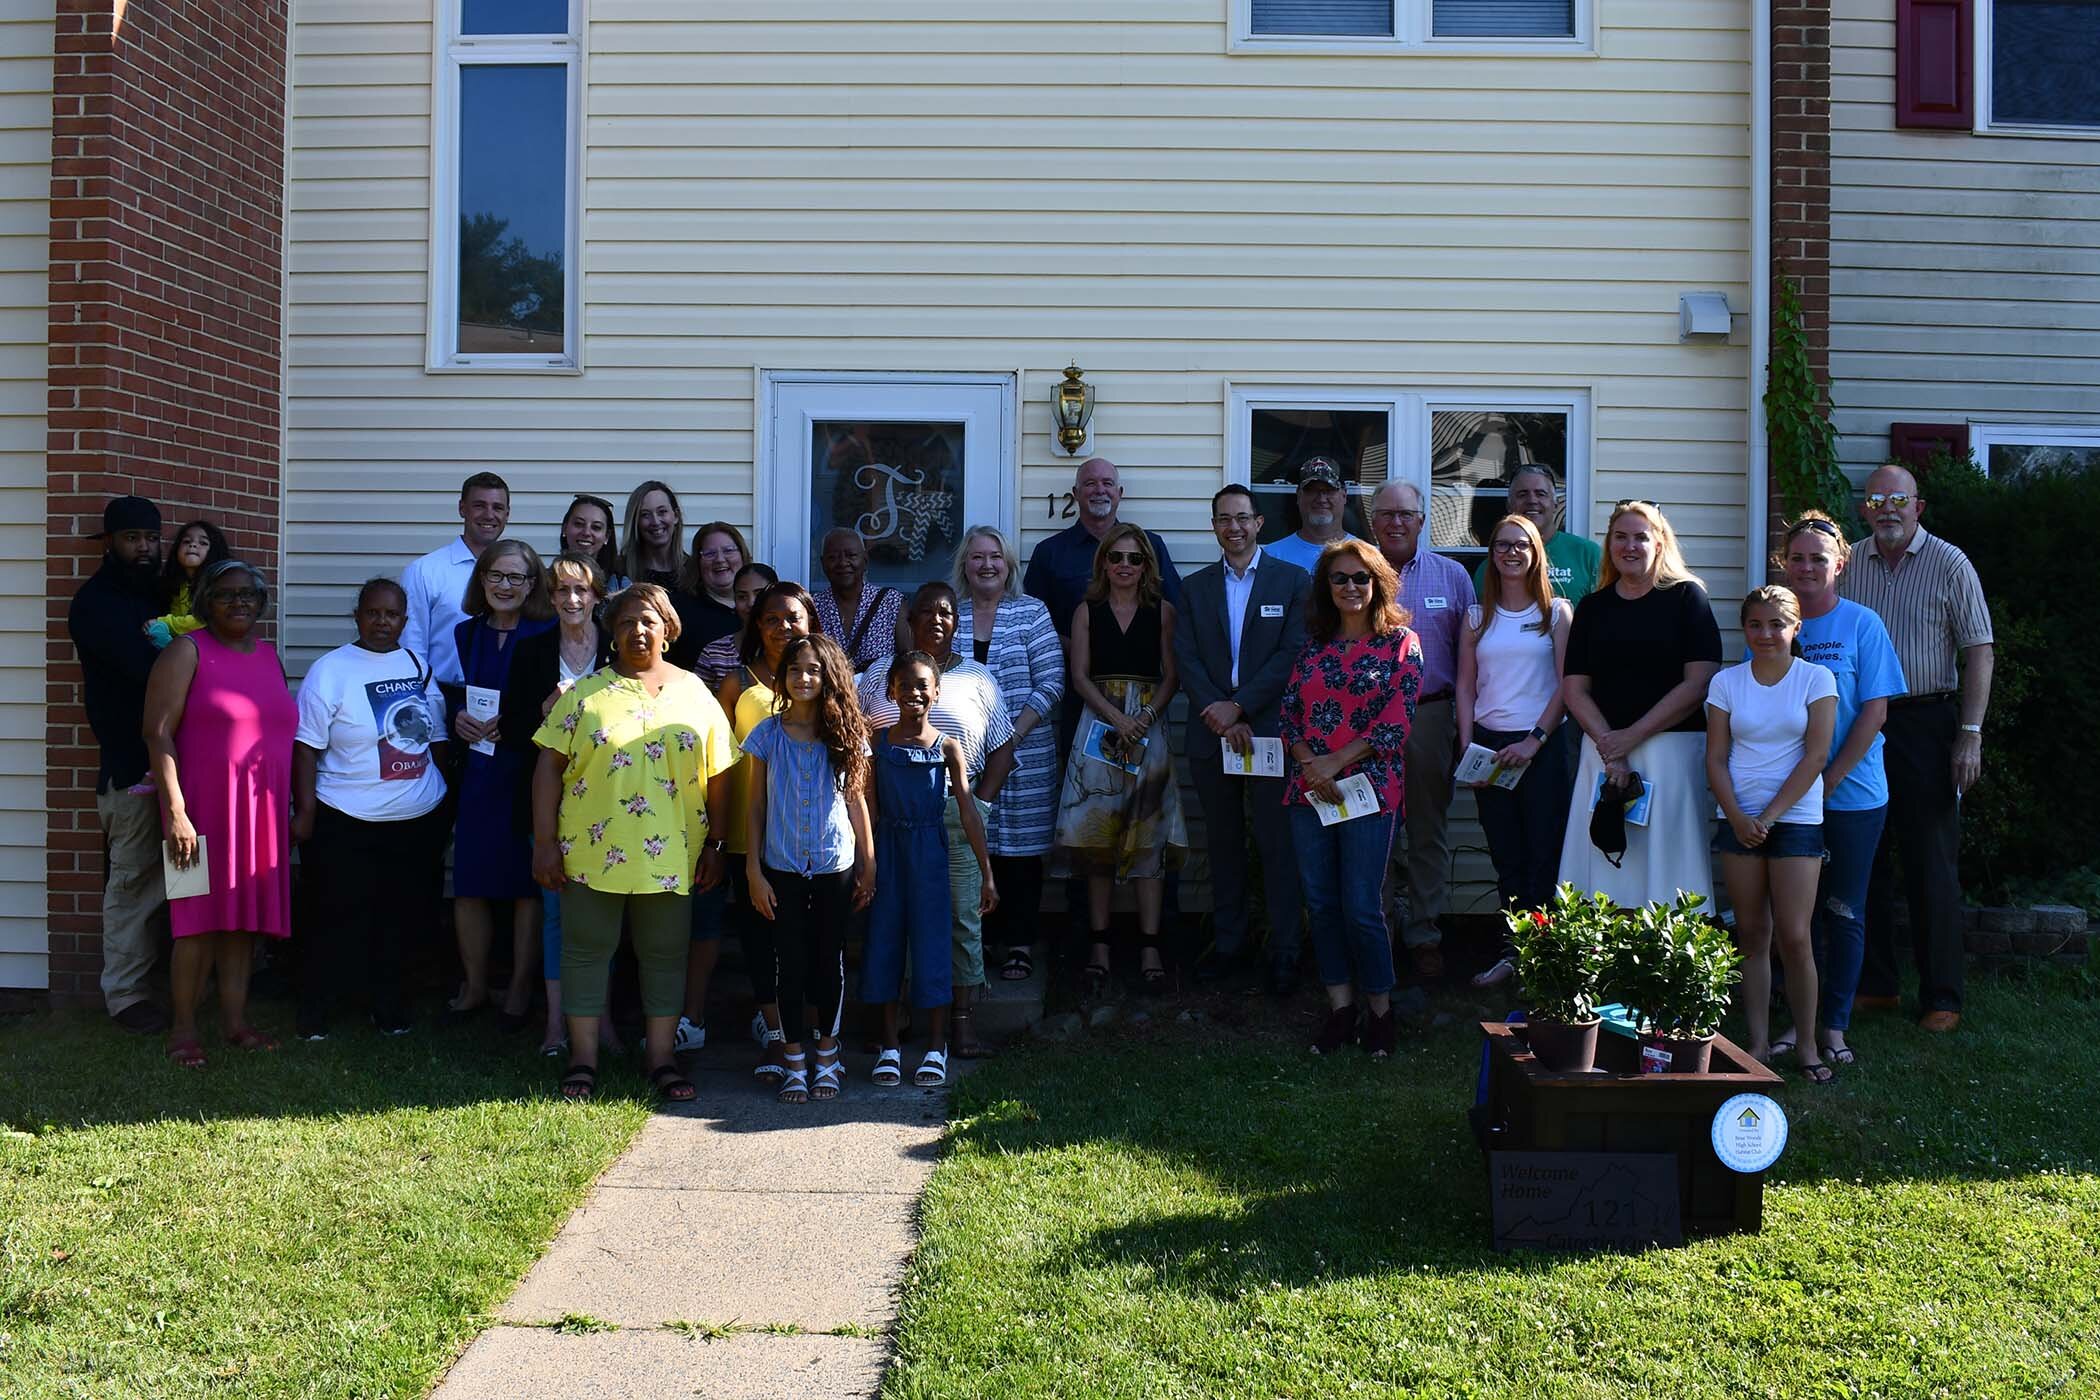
(1915, 443)
(1936, 63)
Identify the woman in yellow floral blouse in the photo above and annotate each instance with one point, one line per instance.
(631, 783)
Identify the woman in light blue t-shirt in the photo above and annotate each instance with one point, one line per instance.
(1852, 644)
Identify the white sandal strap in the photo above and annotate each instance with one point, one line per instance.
(936, 1064)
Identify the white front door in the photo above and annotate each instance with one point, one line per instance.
(908, 463)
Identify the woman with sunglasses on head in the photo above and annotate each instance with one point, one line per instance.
(1116, 825)
(1508, 699)
(1346, 711)
(219, 728)
(1851, 642)
(507, 601)
(587, 529)
(1642, 650)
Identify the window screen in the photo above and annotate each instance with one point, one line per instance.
(2044, 55)
(1368, 18)
(1503, 19)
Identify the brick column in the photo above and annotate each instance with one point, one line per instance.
(1800, 100)
(165, 337)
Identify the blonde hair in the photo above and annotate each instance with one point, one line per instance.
(1813, 522)
(1670, 568)
(1537, 585)
(1006, 551)
(632, 557)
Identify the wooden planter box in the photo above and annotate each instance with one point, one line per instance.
(1616, 1109)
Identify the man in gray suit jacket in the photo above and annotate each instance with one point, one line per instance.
(1241, 626)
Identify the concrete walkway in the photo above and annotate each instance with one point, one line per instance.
(787, 1226)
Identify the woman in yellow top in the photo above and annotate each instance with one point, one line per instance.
(782, 613)
(632, 777)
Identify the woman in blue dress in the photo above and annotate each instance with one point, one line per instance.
(507, 601)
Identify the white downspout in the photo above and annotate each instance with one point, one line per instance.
(1756, 548)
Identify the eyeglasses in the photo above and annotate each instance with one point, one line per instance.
(1124, 556)
(1821, 527)
(509, 580)
(1511, 546)
(1361, 579)
(1894, 500)
(251, 596)
(716, 556)
(1377, 515)
(1243, 519)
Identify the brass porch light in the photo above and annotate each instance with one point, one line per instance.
(1072, 403)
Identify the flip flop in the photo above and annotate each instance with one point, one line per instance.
(1816, 1073)
(1019, 967)
(186, 1053)
(1785, 1045)
(1840, 1054)
(249, 1038)
(579, 1082)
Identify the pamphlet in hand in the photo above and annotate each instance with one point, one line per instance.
(1359, 799)
(482, 704)
(184, 881)
(1104, 745)
(1636, 810)
(1263, 759)
(1477, 767)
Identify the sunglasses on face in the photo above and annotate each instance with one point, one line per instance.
(1894, 500)
(1361, 579)
(1124, 556)
(509, 580)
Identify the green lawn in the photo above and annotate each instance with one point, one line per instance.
(1187, 1214)
(330, 1220)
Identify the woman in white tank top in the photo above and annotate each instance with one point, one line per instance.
(1508, 702)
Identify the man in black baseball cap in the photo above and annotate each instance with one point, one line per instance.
(108, 625)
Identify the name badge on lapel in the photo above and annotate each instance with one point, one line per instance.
(1436, 604)
(1272, 610)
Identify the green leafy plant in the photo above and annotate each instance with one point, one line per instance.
(1676, 966)
(1561, 953)
(1798, 431)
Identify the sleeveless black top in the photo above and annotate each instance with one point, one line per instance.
(1132, 655)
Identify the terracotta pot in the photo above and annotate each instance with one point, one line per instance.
(1688, 1055)
(1562, 1046)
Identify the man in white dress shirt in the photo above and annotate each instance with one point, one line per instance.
(436, 584)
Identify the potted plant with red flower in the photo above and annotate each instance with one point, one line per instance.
(1562, 954)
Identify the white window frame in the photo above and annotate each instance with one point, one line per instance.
(1411, 21)
(1984, 436)
(455, 51)
(1984, 11)
(1407, 430)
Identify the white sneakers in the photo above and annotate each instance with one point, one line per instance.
(688, 1038)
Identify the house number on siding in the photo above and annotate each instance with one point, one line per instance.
(1050, 503)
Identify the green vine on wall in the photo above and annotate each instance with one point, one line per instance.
(1798, 432)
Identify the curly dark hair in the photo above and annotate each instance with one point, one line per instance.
(173, 577)
(841, 727)
(750, 642)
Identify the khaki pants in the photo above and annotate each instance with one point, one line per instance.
(133, 894)
(1423, 866)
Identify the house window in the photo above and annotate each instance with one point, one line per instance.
(1410, 24)
(1459, 448)
(2039, 58)
(504, 229)
(2015, 450)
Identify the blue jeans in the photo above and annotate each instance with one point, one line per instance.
(1341, 869)
(1839, 929)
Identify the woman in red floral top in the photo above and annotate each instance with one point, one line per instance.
(1347, 710)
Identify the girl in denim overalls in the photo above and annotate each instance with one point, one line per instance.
(917, 771)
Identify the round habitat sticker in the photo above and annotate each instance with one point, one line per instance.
(1749, 1133)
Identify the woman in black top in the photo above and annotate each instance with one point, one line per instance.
(1120, 810)
(1640, 654)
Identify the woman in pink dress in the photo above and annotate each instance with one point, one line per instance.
(219, 727)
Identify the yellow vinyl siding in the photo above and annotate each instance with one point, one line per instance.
(943, 190)
(1964, 276)
(25, 219)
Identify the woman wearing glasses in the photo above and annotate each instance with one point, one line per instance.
(1120, 808)
(706, 596)
(1508, 699)
(1346, 713)
(1850, 642)
(1642, 650)
(507, 601)
(219, 727)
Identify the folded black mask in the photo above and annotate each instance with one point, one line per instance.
(1608, 817)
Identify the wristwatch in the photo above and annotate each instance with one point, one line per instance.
(1538, 733)
(717, 844)
(1972, 729)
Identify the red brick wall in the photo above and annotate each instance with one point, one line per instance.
(1801, 178)
(167, 200)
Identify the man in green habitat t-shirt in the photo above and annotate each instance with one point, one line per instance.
(1572, 561)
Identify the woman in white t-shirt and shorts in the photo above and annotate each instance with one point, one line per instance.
(1768, 727)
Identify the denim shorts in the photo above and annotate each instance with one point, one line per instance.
(1784, 840)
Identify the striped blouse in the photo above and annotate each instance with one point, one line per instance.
(1029, 664)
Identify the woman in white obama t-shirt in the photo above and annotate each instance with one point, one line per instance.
(1768, 727)
(367, 806)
